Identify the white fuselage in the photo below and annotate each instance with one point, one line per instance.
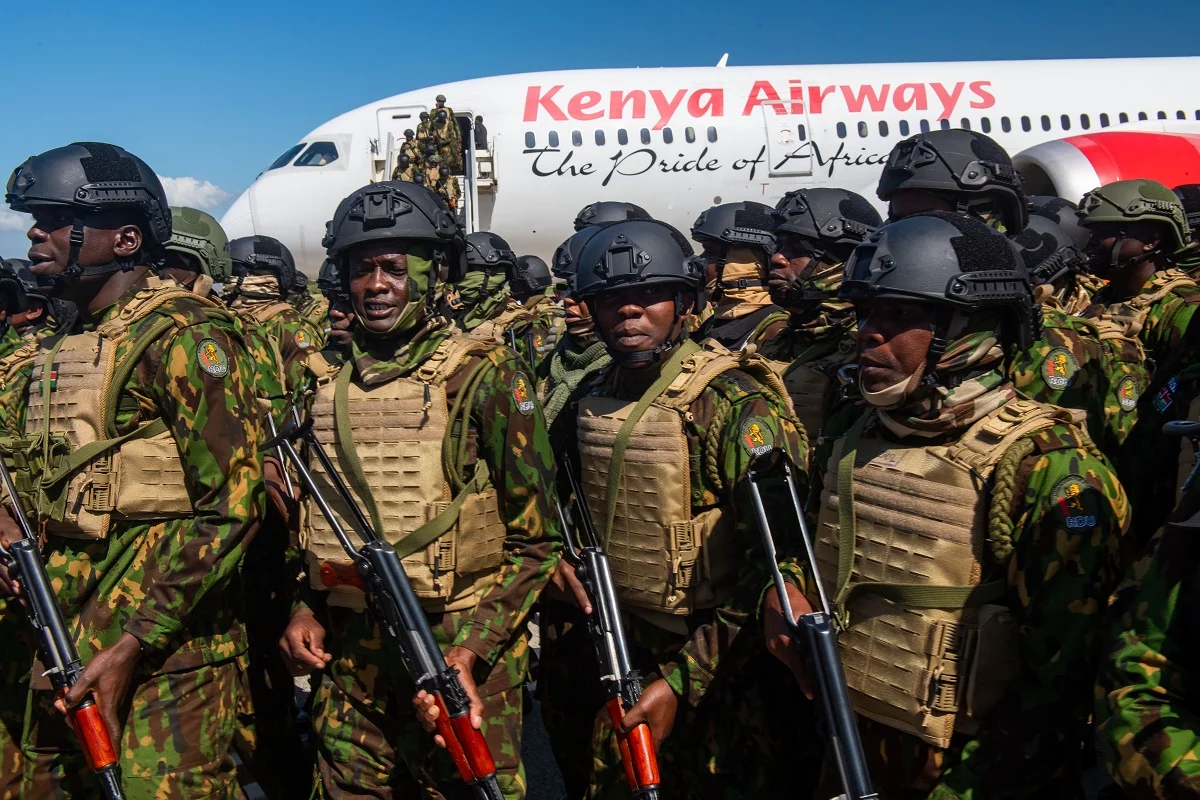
(677, 141)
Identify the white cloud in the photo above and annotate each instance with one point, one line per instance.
(192, 192)
(14, 221)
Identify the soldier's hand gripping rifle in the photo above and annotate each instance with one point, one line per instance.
(815, 637)
(621, 682)
(63, 665)
(400, 616)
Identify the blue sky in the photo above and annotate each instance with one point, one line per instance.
(209, 97)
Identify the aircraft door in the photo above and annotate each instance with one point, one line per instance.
(789, 142)
(392, 123)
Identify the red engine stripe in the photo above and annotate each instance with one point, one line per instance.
(1170, 159)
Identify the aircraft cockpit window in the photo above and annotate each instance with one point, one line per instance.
(553, 138)
(904, 127)
(576, 138)
(622, 136)
(530, 140)
(712, 133)
(985, 125)
(1085, 121)
(668, 137)
(318, 154)
(1066, 122)
(287, 157)
(689, 133)
(1104, 120)
(863, 130)
(599, 137)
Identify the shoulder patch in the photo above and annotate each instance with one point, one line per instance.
(212, 358)
(522, 394)
(302, 339)
(1060, 368)
(1127, 393)
(757, 436)
(1074, 503)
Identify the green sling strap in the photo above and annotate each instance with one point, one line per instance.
(670, 371)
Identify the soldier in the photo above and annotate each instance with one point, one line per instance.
(1083, 284)
(1189, 198)
(489, 311)
(819, 229)
(606, 211)
(422, 134)
(446, 187)
(408, 158)
(536, 290)
(1147, 718)
(738, 242)
(446, 132)
(662, 441)
(425, 415)
(145, 575)
(580, 353)
(1139, 233)
(980, 527)
(198, 252)
(954, 170)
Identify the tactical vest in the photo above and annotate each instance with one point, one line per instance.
(810, 384)
(1131, 314)
(263, 312)
(496, 328)
(666, 556)
(12, 364)
(901, 545)
(392, 438)
(82, 475)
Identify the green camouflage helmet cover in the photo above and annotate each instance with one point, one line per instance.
(197, 233)
(1139, 200)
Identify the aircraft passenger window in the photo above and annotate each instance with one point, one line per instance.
(1162, 115)
(1025, 126)
(944, 124)
(904, 127)
(645, 136)
(966, 124)
(1005, 124)
(883, 129)
(287, 156)
(689, 133)
(1084, 121)
(985, 125)
(668, 137)
(576, 138)
(622, 137)
(1143, 116)
(554, 138)
(712, 133)
(1104, 120)
(1198, 113)
(924, 126)
(1066, 122)
(1180, 115)
(599, 137)
(1123, 117)
(1045, 122)
(318, 154)
(803, 134)
(841, 130)
(530, 141)
(863, 130)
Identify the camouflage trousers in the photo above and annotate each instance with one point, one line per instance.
(369, 743)
(753, 734)
(175, 746)
(15, 662)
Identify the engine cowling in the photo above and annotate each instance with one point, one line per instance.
(1073, 166)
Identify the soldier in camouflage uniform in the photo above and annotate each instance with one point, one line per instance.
(738, 242)
(444, 130)
(982, 529)
(1147, 718)
(1189, 198)
(408, 158)
(428, 415)
(537, 291)
(1139, 234)
(489, 311)
(145, 574)
(694, 610)
(1072, 297)
(818, 231)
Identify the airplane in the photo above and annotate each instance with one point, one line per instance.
(679, 140)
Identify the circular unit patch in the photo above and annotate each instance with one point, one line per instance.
(212, 358)
(1060, 368)
(1127, 393)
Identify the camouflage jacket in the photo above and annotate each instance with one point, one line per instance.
(17, 353)
(510, 435)
(1158, 315)
(1067, 527)
(169, 583)
(1147, 714)
(291, 335)
(720, 459)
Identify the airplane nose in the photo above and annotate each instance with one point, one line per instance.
(238, 221)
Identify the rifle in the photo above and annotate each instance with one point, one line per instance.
(400, 616)
(621, 682)
(815, 636)
(63, 665)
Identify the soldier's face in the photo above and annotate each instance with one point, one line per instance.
(106, 237)
(637, 318)
(378, 285)
(893, 341)
(577, 314)
(1135, 238)
(908, 202)
(791, 259)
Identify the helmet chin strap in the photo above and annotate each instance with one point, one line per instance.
(1114, 258)
(653, 356)
(75, 271)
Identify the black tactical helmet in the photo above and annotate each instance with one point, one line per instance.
(444, 171)
(832, 218)
(608, 211)
(441, 98)
(488, 252)
(1189, 196)
(404, 160)
(263, 255)
(13, 299)
(408, 133)
(641, 253)
(20, 288)
(300, 283)
(396, 210)
(419, 179)
(530, 276)
(424, 116)
(566, 257)
(430, 150)
(951, 260)
(1048, 251)
(1063, 212)
(746, 224)
(964, 164)
(442, 115)
(89, 177)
